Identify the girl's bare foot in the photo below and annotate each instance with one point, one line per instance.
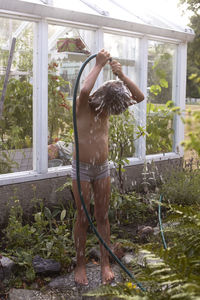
(80, 276)
(107, 274)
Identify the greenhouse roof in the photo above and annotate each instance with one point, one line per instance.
(105, 13)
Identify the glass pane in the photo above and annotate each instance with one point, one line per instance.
(160, 100)
(34, 1)
(68, 48)
(16, 119)
(125, 50)
(75, 5)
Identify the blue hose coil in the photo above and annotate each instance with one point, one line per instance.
(160, 222)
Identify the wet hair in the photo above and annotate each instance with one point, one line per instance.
(113, 96)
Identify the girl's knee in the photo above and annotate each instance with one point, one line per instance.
(82, 220)
(101, 217)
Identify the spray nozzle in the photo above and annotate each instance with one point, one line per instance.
(110, 59)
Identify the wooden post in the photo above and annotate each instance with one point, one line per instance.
(7, 76)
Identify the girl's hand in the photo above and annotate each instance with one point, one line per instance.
(102, 58)
(116, 69)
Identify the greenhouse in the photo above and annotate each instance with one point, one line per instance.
(151, 49)
(121, 219)
(52, 42)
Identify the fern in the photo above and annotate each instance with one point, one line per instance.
(176, 275)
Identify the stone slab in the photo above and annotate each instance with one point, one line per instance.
(20, 294)
(45, 266)
(6, 267)
(66, 282)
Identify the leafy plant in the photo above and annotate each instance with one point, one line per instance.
(59, 109)
(160, 127)
(193, 58)
(16, 122)
(166, 274)
(6, 163)
(47, 235)
(181, 186)
(160, 72)
(128, 208)
(192, 141)
(121, 141)
(160, 115)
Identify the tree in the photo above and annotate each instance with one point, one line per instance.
(193, 57)
(193, 5)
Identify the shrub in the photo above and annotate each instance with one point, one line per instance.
(176, 274)
(160, 127)
(192, 142)
(182, 187)
(48, 235)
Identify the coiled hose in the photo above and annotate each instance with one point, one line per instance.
(78, 177)
(160, 222)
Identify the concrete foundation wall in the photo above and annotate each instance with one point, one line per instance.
(46, 190)
(27, 193)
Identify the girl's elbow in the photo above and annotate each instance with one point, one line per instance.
(84, 92)
(139, 98)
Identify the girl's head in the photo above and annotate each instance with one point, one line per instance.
(113, 96)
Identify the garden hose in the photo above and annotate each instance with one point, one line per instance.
(78, 177)
(160, 222)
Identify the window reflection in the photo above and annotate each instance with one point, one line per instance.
(68, 48)
(161, 85)
(16, 119)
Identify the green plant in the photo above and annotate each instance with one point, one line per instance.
(59, 109)
(121, 140)
(48, 235)
(181, 186)
(16, 122)
(193, 58)
(128, 208)
(160, 71)
(24, 46)
(160, 115)
(192, 141)
(6, 163)
(160, 127)
(166, 274)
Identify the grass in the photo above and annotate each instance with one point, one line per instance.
(188, 154)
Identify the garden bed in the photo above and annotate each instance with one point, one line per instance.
(171, 273)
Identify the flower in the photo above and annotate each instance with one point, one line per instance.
(130, 285)
(65, 106)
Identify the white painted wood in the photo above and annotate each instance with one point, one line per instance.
(40, 98)
(36, 12)
(10, 58)
(180, 95)
(26, 176)
(18, 15)
(140, 144)
(50, 12)
(98, 45)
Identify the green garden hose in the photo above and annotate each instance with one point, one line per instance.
(160, 222)
(78, 177)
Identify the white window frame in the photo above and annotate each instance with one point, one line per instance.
(40, 94)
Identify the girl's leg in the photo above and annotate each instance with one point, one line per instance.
(101, 189)
(80, 230)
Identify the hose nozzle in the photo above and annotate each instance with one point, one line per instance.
(110, 59)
